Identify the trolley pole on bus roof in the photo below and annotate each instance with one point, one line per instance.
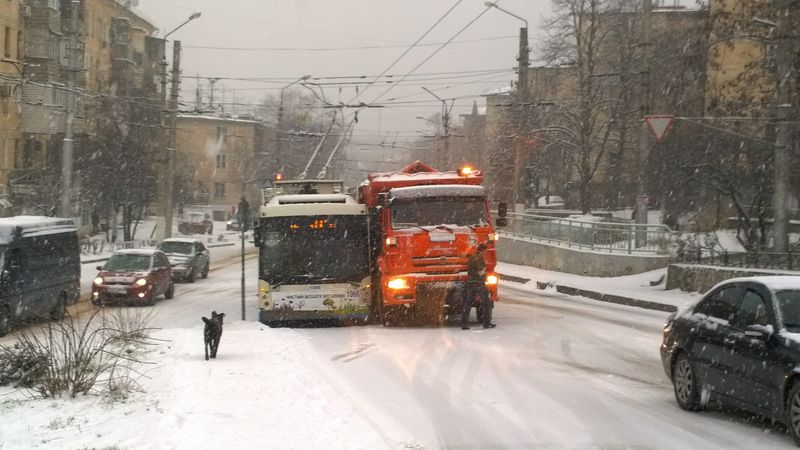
(244, 224)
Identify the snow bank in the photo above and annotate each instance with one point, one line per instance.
(260, 392)
(631, 286)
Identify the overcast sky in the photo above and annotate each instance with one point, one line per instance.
(305, 24)
(491, 46)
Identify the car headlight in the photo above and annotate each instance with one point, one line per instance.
(141, 282)
(230, 222)
(98, 281)
(491, 280)
(397, 283)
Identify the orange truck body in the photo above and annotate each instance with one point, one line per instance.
(431, 260)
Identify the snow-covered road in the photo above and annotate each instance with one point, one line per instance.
(557, 372)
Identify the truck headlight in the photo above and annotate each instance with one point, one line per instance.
(98, 281)
(491, 280)
(141, 282)
(397, 283)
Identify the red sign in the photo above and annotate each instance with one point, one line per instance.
(659, 125)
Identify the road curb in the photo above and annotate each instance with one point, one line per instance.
(599, 296)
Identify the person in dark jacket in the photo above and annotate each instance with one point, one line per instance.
(476, 285)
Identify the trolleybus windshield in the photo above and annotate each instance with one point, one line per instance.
(313, 249)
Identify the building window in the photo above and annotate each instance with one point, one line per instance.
(221, 161)
(221, 133)
(219, 190)
(54, 45)
(7, 43)
(19, 45)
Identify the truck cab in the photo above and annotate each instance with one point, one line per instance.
(428, 223)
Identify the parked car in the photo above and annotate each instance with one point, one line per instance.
(195, 223)
(189, 258)
(133, 276)
(232, 224)
(739, 344)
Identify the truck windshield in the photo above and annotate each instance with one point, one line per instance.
(313, 249)
(432, 211)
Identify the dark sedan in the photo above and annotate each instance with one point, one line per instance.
(739, 344)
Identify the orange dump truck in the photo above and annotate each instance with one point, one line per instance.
(425, 224)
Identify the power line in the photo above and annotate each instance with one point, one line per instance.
(336, 49)
(402, 55)
(436, 51)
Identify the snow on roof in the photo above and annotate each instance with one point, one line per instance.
(399, 176)
(773, 283)
(505, 90)
(310, 198)
(180, 239)
(34, 226)
(438, 191)
(138, 251)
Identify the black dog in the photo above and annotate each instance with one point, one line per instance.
(212, 333)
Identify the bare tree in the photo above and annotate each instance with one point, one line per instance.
(592, 36)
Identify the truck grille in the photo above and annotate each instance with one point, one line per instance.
(439, 264)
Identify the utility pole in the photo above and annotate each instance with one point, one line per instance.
(173, 135)
(517, 194)
(198, 95)
(211, 83)
(71, 106)
(520, 155)
(640, 208)
(443, 156)
(783, 136)
(166, 181)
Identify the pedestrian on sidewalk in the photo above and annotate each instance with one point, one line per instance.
(476, 285)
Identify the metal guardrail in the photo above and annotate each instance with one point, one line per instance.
(600, 236)
(746, 260)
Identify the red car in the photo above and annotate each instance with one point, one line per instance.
(134, 276)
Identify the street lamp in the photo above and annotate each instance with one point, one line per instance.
(191, 18)
(279, 128)
(522, 94)
(169, 179)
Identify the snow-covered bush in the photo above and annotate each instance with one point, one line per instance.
(21, 365)
(76, 357)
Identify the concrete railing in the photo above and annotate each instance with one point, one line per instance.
(587, 235)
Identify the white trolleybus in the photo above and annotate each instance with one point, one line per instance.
(313, 260)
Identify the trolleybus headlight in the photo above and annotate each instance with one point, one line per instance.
(465, 171)
(491, 280)
(397, 283)
(141, 282)
(391, 241)
(494, 236)
(98, 281)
